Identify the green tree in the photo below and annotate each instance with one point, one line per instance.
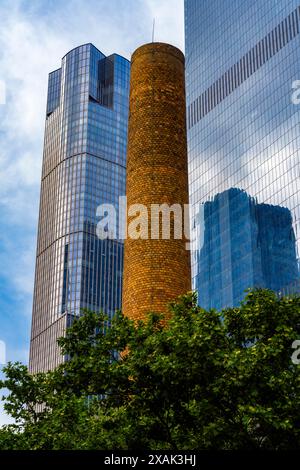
(208, 380)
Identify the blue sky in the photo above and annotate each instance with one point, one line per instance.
(34, 36)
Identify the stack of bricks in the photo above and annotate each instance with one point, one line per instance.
(156, 271)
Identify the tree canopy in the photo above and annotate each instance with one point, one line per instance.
(206, 380)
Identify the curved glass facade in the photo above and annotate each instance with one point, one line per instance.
(83, 167)
(243, 139)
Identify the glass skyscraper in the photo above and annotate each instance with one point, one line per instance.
(83, 167)
(242, 59)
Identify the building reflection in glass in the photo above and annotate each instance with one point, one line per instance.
(243, 244)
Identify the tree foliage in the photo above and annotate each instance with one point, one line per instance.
(207, 380)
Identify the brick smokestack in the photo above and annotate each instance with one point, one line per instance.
(156, 271)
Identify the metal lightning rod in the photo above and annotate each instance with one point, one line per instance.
(153, 27)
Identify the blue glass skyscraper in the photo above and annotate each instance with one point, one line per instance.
(83, 167)
(242, 61)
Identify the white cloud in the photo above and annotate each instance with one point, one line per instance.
(4, 418)
(29, 53)
(22, 270)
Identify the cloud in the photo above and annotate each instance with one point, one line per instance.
(4, 418)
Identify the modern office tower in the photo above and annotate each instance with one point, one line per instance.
(156, 263)
(83, 167)
(245, 244)
(242, 61)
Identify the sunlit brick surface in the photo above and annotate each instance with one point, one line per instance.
(156, 271)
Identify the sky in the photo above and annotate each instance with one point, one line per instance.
(34, 36)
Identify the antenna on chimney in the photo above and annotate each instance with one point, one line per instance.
(153, 28)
